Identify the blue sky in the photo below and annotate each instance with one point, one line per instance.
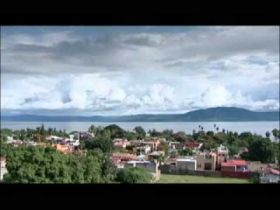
(142, 69)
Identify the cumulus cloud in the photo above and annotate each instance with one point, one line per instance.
(140, 72)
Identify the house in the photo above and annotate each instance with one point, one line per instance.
(236, 169)
(3, 169)
(54, 138)
(186, 163)
(122, 143)
(119, 159)
(206, 161)
(270, 175)
(155, 155)
(152, 167)
(143, 149)
(235, 166)
(194, 146)
(153, 143)
(222, 155)
(66, 149)
(173, 144)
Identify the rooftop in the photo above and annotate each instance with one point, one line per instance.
(234, 163)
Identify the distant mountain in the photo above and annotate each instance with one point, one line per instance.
(210, 114)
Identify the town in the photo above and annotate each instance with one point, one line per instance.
(112, 155)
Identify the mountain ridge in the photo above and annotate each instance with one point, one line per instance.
(208, 114)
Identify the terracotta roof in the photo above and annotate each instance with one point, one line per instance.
(192, 144)
(234, 163)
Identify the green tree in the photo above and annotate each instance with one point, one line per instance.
(260, 149)
(267, 134)
(276, 133)
(133, 175)
(115, 131)
(104, 144)
(185, 152)
(141, 133)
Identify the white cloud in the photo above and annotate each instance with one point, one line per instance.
(141, 72)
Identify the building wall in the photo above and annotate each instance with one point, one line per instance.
(228, 168)
(270, 178)
(3, 169)
(172, 169)
(202, 161)
(188, 165)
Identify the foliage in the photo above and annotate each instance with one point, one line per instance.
(185, 152)
(260, 149)
(140, 132)
(103, 143)
(133, 175)
(180, 136)
(46, 165)
(115, 131)
(130, 136)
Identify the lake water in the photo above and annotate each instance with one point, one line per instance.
(254, 127)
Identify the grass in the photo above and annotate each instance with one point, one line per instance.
(199, 179)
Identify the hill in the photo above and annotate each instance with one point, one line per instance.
(210, 114)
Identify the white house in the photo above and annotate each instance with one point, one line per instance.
(186, 163)
(270, 175)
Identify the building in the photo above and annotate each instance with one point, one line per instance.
(155, 155)
(54, 138)
(152, 167)
(119, 159)
(194, 146)
(235, 166)
(173, 144)
(143, 149)
(222, 155)
(236, 169)
(3, 169)
(186, 163)
(121, 143)
(270, 175)
(66, 149)
(206, 161)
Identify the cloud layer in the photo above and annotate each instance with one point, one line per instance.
(140, 71)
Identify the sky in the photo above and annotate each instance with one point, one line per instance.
(126, 70)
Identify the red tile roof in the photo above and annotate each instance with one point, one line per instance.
(234, 163)
(192, 145)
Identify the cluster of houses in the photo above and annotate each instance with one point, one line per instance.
(141, 153)
(146, 153)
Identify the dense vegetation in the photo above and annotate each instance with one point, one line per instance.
(27, 164)
(133, 175)
(47, 165)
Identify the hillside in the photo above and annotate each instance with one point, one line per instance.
(210, 114)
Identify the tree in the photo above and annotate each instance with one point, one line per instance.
(233, 150)
(276, 133)
(133, 175)
(267, 134)
(210, 133)
(185, 152)
(130, 136)
(47, 165)
(167, 133)
(141, 133)
(180, 136)
(103, 143)
(115, 131)
(260, 149)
